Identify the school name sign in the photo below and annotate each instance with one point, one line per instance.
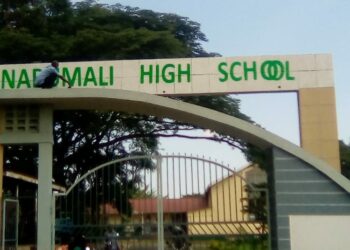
(185, 76)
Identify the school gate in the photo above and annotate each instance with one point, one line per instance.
(165, 202)
(295, 175)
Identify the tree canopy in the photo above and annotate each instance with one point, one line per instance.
(34, 30)
(42, 30)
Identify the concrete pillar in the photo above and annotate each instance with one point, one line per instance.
(2, 124)
(44, 241)
(318, 124)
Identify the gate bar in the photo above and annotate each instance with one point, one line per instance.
(160, 205)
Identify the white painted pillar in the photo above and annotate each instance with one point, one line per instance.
(45, 181)
(2, 123)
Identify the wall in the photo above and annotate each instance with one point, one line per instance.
(224, 216)
(319, 232)
(297, 188)
(318, 124)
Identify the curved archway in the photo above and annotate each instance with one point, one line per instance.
(136, 102)
(299, 182)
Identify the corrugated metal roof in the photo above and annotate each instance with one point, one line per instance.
(30, 179)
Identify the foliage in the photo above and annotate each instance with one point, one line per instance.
(43, 30)
(33, 31)
(253, 243)
(256, 204)
(345, 158)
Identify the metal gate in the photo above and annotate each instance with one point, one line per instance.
(164, 202)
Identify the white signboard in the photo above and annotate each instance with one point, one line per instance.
(186, 76)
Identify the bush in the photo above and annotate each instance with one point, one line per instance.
(242, 243)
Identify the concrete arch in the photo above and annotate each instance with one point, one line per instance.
(299, 183)
(136, 102)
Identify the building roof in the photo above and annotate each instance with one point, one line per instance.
(181, 205)
(30, 179)
(149, 205)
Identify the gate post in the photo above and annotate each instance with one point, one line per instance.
(2, 124)
(53, 221)
(44, 216)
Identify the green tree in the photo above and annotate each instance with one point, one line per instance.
(91, 31)
(86, 30)
(94, 32)
(256, 205)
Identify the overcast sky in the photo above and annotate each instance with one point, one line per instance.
(269, 27)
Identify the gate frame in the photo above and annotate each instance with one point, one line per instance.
(158, 158)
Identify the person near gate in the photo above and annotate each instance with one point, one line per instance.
(48, 76)
(111, 239)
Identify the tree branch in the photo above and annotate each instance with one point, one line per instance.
(231, 143)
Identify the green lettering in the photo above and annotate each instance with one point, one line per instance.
(272, 70)
(7, 79)
(23, 79)
(251, 69)
(223, 71)
(102, 83)
(288, 76)
(90, 76)
(35, 73)
(171, 74)
(148, 73)
(111, 75)
(72, 79)
(186, 72)
(232, 71)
